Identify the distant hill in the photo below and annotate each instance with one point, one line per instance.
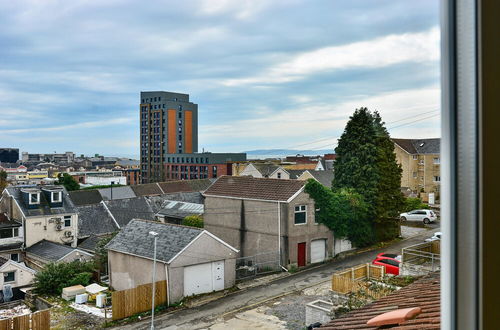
(281, 153)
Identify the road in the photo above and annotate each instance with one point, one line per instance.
(206, 315)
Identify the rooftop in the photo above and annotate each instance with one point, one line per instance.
(43, 208)
(94, 220)
(135, 239)
(246, 187)
(49, 250)
(85, 197)
(419, 146)
(423, 293)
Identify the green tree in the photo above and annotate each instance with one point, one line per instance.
(56, 276)
(67, 181)
(101, 253)
(366, 162)
(193, 221)
(343, 211)
(3, 180)
(412, 203)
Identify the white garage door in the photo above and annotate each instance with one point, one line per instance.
(203, 278)
(318, 250)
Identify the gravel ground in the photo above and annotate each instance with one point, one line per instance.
(292, 308)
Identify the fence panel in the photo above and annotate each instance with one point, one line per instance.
(132, 301)
(376, 271)
(40, 320)
(360, 272)
(6, 324)
(22, 322)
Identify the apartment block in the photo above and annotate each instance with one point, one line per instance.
(420, 161)
(200, 165)
(168, 125)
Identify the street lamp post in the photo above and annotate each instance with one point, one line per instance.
(155, 235)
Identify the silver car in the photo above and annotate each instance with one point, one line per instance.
(426, 216)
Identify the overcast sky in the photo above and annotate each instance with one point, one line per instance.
(264, 73)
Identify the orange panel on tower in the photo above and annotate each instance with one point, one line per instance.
(189, 131)
(171, 131)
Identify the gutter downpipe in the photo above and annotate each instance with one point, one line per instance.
(168, 284)
(279, 237)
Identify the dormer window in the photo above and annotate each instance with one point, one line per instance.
(35, 198)
(56, 197)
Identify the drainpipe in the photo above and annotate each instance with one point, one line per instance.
(168, 285)
(279, 237)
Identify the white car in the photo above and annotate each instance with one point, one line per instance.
(426, 216)
(435, 237)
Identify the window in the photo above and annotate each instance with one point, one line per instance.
(56, 197)
(437, 179)
(415, 175)
(67, 221)
(35, 198)
(437, 160)
(14, 257)
(9, 277)
(9, 232)
(300, 214)
(415, 157)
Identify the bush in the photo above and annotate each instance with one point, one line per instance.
(193, 221)
(56, 276)
(412, 203)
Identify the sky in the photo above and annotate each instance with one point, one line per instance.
(265, 74)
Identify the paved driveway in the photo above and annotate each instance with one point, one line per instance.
(204, 316)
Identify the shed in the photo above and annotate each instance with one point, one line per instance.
(192, 260)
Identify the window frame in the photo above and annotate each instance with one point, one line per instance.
(58, 193)
(67, 218)
(37, 202)
(300, 211)
(5, 276)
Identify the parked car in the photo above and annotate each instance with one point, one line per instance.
(426, 216)
(389, 255)
(435, 237)
(391, 265)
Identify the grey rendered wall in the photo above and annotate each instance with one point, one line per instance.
(204, 249)
(128, 271)
(253, 231)
(307, 232)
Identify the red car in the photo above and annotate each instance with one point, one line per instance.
(391, 264)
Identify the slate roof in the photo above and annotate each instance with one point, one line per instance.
(180, 210)
(49, 250)
(124, 210)
(94, 220)
(323, 177)
(89, 243)
(85, 197)
(5, 222)
(190, 197)
(247, 187)
(423, 293)
(146, 189)
(265, 169)
(118, 193)
(294, 174)
(135, 239)
(419, 146)
(43, 208)
(185, 185)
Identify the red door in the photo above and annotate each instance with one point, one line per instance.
(301, 254)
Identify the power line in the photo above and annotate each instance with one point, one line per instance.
(411, 122)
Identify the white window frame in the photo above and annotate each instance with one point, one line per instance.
(37, 199)
(415, 157)
(53, 200)
(437, 176)
(13, 235)
(65, 218)
(436, 160)
(300, 211)
(4, 276)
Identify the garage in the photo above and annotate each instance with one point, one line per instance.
(203, 278)
(318, 250)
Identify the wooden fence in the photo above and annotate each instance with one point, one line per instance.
(352, 279)
(34, 321)
(137, 300)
